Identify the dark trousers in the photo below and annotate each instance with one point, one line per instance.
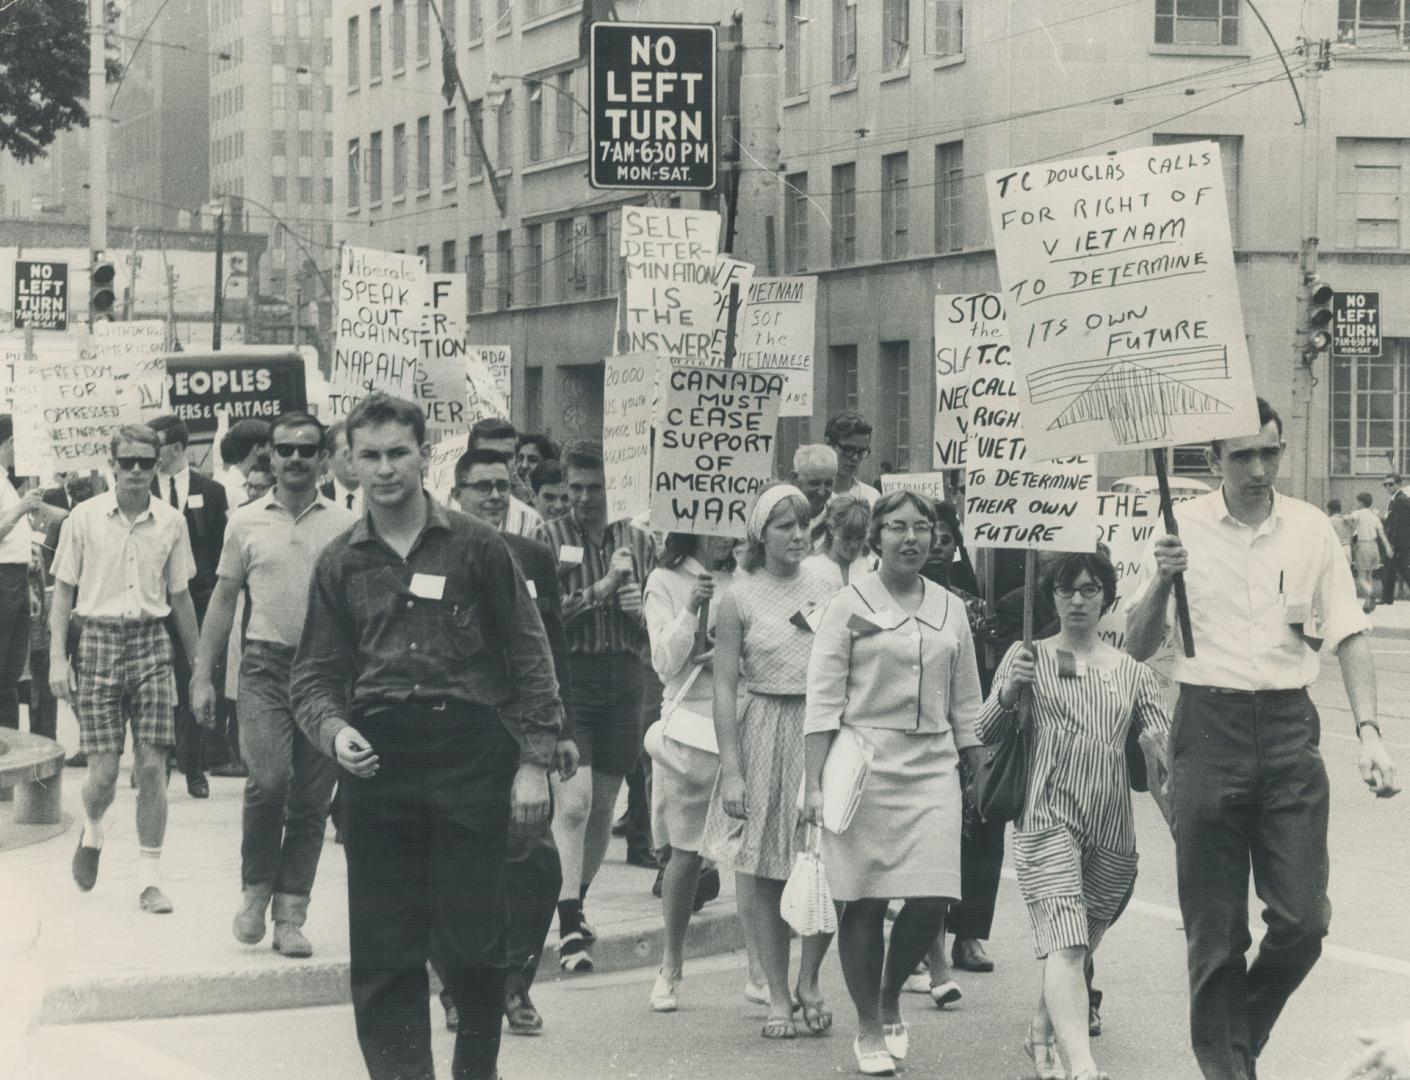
(14, 638)
(425, 843)
(1250, 788)
(43, 708)
(1395, 569)
(639, 779)
(290, 784)
(189, 749)
(981, 862)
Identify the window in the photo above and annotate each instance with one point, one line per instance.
(305, 189)
(448, 265)
(305, 144)
(793, 57)
(276, 96)
(448, 153)
(533, 273)
(1196, 22)
(327, 144)
(374, 45)
(536, 92)
(795, 223)
(597, 261)
(305, 97)
(563, 241)
(474, 137)
(278, 144)
(399, 161)
(844, 40)
(895, 33)
(423, 31)
(504, 134)
(844, 215)
(279, 188)
(946, 27)
(1372, 199)
(1230, 155)
(842, 390)
(949, 196)
(327, 191)
(423, 154)
(895, 205)
(1371, 411)
(896, 393)
(547, 7)
(398, 36)
(474, 23)
(354, 175)
(566, 108)
(374, 170)
(424, 251)
(1374, 22)
(475, 273)
(504, 268)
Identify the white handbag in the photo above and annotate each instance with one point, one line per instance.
(844, 778)
(806, 903)
(686, 726)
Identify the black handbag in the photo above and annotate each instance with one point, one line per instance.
(1001, 775)
(1136, 770)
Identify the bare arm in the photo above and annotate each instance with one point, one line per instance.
(1146, 624)
(215, 636)
(183, 610)
(60, 611)
(729, 635)
(1358, 675)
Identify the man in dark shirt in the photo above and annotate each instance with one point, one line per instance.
(424, 670)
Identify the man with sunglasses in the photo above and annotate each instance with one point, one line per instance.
(128, 557)
(271, 545)
(849, 435)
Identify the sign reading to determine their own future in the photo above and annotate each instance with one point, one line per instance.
(777, 335)
(929, 484)
(628, 389)
(714, 448)
(381, 304)
(1012, 500)
(1123, 306)
(41, 295)
(1356, 324)
(967, 326)
(137, 352)
(440, 375)
(488, 374)
(67, 405)
(681, 310)
(651, 106)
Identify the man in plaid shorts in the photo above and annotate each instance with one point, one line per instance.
(128, 557)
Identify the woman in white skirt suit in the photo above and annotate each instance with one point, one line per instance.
(894, 661)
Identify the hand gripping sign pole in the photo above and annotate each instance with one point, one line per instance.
(1030, 572)
(1167, 510)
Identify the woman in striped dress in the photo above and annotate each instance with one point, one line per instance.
(1075, 843)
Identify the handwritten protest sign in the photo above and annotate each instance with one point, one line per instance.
(136, 350)
(488, 371)
(667, 234)
(1123, 305)
(12, 358)
(1126, 522)
(967, 326)
(440, 375)
(714, 448)
(777, 335)
(440, 469)
(67, 405)
(929, 484)
(381, 301)
(1012, 500)
(628, 385)
(681, 310)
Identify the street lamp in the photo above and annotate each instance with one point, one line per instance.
(308, 251)
(496, 95)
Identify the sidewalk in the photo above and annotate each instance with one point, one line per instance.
(1391, 621)
(104, 959)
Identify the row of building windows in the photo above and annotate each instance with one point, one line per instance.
(279, 143)
(227, 102)
(280, 189)
(299, 52)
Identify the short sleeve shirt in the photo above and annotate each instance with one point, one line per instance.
(124, 569)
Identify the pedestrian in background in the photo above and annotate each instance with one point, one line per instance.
(15, 510)
(1343, 527)
(501, 437)
(849, 435)
(764, 635)
(1371, 549)
(815, 474)
(894, 663)
(843, 556)
(1397, 527)
(550, 490)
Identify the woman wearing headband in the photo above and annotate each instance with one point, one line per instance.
(764, 631)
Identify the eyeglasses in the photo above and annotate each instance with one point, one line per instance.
(307, 451)
(130, 463)
(485, 487)
(858, 452)
(1089, 592)
(900, 528)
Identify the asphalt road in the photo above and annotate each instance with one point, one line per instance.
(601, 1026)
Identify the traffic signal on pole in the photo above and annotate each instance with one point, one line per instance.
(1317, 335)
(101, 292)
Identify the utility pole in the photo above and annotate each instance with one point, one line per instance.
(218, 306)
(135, 264)
(97, 127)
(1317, 55)
(170, 296)
(760, 59)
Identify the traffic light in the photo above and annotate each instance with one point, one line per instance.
(1317, 318)
(101, 293)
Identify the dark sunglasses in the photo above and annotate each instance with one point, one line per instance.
(130, 463)
(307, 451)
(484, 487)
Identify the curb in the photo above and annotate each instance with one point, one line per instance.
(310, 983)
(1403, 633)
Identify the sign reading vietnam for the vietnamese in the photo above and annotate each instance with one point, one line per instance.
(381, 308)
(41, 295)
(1123, 306)
(652, 106)
(778, 336)
(714, 448)
(1356, 324)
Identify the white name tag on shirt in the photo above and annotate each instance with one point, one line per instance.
(428, 586)
(195, 501)
(533, 589)
(570, 554)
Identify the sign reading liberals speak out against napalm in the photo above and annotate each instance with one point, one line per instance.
(714, 448)
(1123, 305)
(777, 335)
(651, 105)
(381, 307)
(1012, 500)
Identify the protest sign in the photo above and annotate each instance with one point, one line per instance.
(203, 387)
(669, 234)
(488, 374)
(777, 335)
(440, 376)
(1126, 522)
(12, 359)
(652, 106)
(1123, 305)
(680, 310)
(440, 469)
(41, 295)
(1356, 324)
(628, 387)
(381, 302)
(67, 405)
(714, 448)
(967, 326)
(1012, 500)
(137, 352)
(929, 484)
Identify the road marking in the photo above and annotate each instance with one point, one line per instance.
(125, 1050)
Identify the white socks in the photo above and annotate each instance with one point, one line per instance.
(92, 833)
(149, 867)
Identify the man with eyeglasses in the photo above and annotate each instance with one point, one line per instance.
(270, 549)
(849, 435)
(128, 557)
(500, 436)
(1397, 525)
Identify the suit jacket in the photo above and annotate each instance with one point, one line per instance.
(540, 568)
(205, 525)
(1398, 520)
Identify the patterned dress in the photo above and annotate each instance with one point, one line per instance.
(1075, 843)
(774, 657)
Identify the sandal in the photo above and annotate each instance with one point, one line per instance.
(778, 1027)
(1046, 1064)
(816, 1015)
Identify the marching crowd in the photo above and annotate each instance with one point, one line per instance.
(476, 680)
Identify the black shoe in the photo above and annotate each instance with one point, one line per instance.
(198, 787)
(231, 769)
(85, 865)
(523, 1018)
(1094, 1019)
(77, 761)
(619, 827)
(643, 858)
(707, 888)
(968, 954)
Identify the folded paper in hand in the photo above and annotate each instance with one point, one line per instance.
(844, 777)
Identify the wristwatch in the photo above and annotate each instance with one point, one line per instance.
(1367, 723)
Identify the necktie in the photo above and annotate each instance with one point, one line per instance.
(350, 500)
(174, 500)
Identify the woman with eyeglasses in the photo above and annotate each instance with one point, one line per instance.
(1074, 844)
(844, 556)
(894, 662)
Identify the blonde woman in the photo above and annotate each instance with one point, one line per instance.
(844, 555)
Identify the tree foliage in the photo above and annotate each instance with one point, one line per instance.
(43, 73)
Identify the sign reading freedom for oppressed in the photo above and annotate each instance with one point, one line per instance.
(628, 386)
(1123, 306)
(1012, 500)
(381, 302)
(489, 370)
(440, 376)
(652, 105)
(41, 295)
(779, 323)
(967, 326)
(714, 448)
(929, 484)
(67, 405)
(137, 352)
